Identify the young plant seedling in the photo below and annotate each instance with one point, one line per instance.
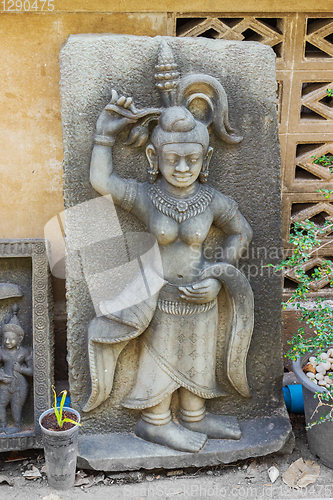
(58, 412)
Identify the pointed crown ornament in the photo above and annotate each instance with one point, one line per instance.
(14, 324)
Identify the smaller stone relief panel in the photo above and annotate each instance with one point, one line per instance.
(25, 342)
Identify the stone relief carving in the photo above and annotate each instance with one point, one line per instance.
(15, 365)
(178, 324)
(25, 328)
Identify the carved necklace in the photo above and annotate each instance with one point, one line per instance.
(180, 209)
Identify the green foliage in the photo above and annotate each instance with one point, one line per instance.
(326, 193)
(318, 316)
(58, 411)
(305, 239)
(325, 161)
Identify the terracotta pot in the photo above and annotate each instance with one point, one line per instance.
(320, 436)
(60, 448)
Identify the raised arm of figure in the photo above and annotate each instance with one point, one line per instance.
(238, 233)
(108, 125)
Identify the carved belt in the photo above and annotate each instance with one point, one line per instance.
(182, 309)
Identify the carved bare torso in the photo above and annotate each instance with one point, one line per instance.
(181, 225)
(14, 364)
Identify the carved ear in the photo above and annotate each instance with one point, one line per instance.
(152, 157)
(205, 164)
(153, 163)
(206, 99)
(207, 158)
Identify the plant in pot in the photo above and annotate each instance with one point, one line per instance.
(60, 428)
(312, 354)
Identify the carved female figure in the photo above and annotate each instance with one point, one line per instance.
(15, 362)
(179, 324)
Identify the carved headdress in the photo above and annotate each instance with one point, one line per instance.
(191, 104)
(14, 324)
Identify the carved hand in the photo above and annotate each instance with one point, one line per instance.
(202, 292)
(17, 367)
(109, 122)
(5, 379)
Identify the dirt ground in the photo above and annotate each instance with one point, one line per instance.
(247, 479)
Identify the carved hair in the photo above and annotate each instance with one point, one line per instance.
(15, 329)
(177, 124)
(192, 101)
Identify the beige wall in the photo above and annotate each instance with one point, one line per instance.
(30, 124)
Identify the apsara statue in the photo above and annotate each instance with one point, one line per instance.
(15, 363)
(178, 325)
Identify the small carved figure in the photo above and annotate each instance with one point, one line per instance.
(179, 325)
(15, 362)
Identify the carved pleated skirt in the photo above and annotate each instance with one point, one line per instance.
(178, 349)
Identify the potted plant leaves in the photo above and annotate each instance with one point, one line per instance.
(60, 426)
(312, 354)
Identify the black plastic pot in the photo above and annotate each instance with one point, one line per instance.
(60, 450)
(320, 436)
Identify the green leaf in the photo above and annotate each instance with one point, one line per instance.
(72, 421)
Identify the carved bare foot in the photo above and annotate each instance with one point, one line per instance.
(216, 426)
(172, 435)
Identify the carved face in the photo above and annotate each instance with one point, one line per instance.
(10, 340)
(181, 163)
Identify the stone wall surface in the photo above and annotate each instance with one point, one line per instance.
(91, 65)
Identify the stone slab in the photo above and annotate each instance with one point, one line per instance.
(92, 65)
(24, 263)
(125, 451)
